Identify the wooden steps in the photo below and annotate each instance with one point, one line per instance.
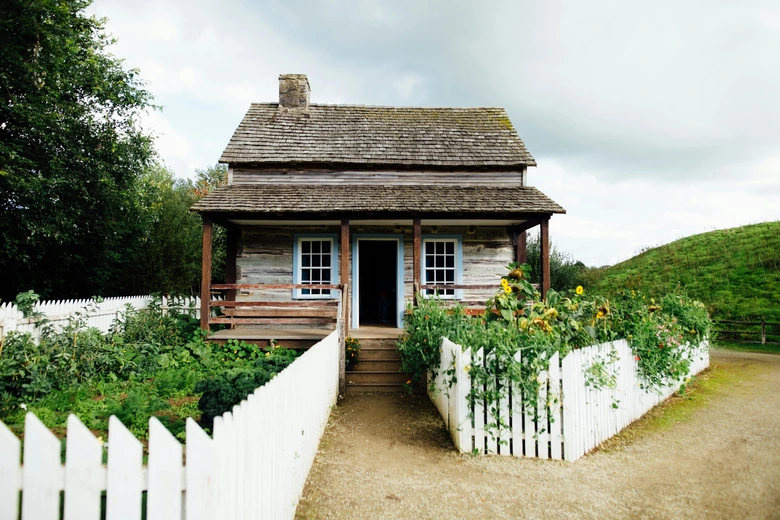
(378, 368)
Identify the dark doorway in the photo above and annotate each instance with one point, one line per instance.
(377, 278)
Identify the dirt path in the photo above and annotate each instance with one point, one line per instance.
(715, 454)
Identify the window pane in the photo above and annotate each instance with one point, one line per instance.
(306, 246)
(315, 276)
(450, 275)
(450, 261)
(326, 276)
(315, 246)
(315, 260)
(428, 260)
(439, 248)
(429, 278)
(326, 246)
(439, 276)
(450, 248)
(325, 260)
(305, 275)
(439, 261)
(305, 260)
(429, 248)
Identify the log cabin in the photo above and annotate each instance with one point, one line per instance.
(340, 214)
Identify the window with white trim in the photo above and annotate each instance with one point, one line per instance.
(440, 258)
(315, 264)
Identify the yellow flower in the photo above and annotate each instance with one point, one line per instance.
(579, 289)
(507, 289)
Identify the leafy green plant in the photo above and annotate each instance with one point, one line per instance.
(352, 351)
(519, 333)
(229, 387)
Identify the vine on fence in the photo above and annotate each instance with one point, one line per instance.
(663, 336)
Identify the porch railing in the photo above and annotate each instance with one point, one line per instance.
(304, 312)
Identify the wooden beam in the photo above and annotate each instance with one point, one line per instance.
(521, 249)
(344, 267)
(528, 224)
(544, 238)
(345, 314)
(317, 304)
(228, 286)
(416, 261)
(230, 259)
(205, 275)
(273, 321)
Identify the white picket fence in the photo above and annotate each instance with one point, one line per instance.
(255, 466)
(100, 315)
(573, 416)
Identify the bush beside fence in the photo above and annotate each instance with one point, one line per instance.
(254, 467)
(574, 414)
(99, 314)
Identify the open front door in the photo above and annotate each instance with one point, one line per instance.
(378, 277)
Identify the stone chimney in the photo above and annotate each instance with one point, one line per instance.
(294, 91)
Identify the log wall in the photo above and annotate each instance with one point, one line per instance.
(258, 176)
(265, 256)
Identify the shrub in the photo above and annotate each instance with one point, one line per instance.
(229, 387)
(662, 335)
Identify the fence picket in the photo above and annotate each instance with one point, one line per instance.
(84, 473)
(10, 473)
(554, 410)
(201, 474)
(124, 478)
(164, 496)
(479, 409)
(42, 477)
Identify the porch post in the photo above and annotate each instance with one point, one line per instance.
(205, 277)
(417, 225)
(230, 260)
(344, 281)
(544, 238)
(521, 251)
(344, 265)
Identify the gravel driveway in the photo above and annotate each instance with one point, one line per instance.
(715, 454)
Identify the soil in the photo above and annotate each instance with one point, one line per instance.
(713, 454)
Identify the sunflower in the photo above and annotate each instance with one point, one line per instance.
(579, 290)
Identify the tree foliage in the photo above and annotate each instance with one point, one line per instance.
(71, 152)
(565, 271)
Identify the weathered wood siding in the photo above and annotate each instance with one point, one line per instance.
(265, 255)
(258, 176)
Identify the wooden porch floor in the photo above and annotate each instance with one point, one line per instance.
(304, 334)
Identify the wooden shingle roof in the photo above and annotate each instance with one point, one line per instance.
(377, 136)
(294, 198)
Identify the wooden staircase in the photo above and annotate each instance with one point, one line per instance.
(378, 368)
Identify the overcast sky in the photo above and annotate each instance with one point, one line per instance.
(649, 121)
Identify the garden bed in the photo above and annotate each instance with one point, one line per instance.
(150, 364)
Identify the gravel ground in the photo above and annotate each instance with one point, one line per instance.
(715, 455)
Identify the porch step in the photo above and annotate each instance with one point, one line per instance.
(354, 388)
(386, 377)
(374, 365)
(385, 354)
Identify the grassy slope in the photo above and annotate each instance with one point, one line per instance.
(736, 272)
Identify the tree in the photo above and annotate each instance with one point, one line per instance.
(71, 152)
(565, 272)
(168, 258)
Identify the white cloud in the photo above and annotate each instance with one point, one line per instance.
(649, 121)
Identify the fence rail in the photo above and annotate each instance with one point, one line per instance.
(763, 329)
(254, 467)
(573, 416)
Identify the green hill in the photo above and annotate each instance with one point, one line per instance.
(736, 272)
